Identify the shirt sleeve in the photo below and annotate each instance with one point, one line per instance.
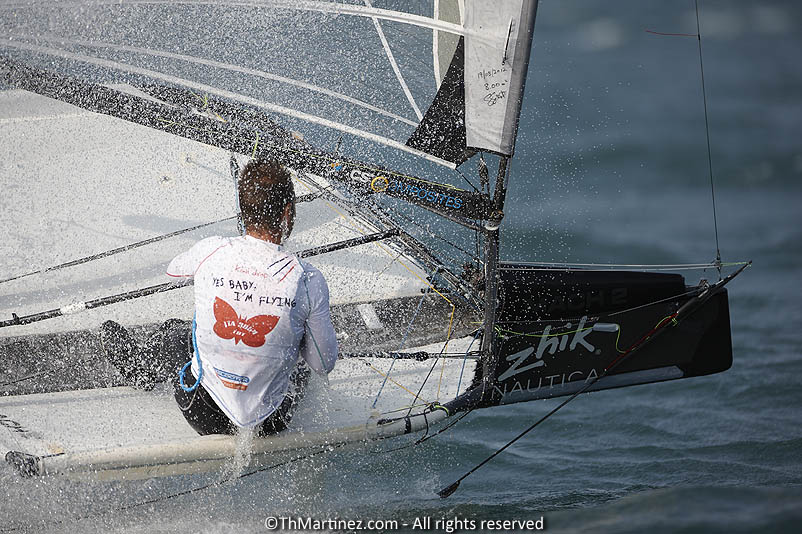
(185, 264)
(320, 347)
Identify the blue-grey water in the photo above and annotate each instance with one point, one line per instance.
(611, 166)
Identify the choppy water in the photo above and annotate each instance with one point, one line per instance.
(611, 166)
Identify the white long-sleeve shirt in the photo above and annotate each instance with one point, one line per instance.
(257, 310)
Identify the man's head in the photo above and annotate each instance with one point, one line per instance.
(267, 199)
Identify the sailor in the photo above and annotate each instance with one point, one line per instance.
(262, 320)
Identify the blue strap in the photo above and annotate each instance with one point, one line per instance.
(183, 370)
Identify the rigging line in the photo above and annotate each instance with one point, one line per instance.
(466, 179)
(465, 359)
(665, 267)
(426, 437)
(168, 286)
(462, 290)
(440, 381)
(698, 35)
(421, 405)
(275, 108)
(432, 234)
(382, 217)
(413, 273)
(117, 250)
(453, 307)
(639, 265)
(430, 261)
(417, 355)
(361, 231)
(557, 334)
(671, 34)
(327, 193)
(393, 381)
(397, 70)
(426, 379)
(707, 133)
(400, 348)
(221, 65)
(131, 246)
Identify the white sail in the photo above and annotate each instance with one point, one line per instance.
(496, 60)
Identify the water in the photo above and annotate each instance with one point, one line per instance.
(611, 166)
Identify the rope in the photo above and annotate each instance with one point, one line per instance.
(400, 348)
(117, 250)
(717, 264)
(186, 365)
(426, 379)
(413, 222)
(465, 359)
(707, 133)
(404, 265)
(651, 267)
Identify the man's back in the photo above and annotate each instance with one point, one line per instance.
(256, 307)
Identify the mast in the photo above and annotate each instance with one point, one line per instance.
(497, 51)
(491, 231)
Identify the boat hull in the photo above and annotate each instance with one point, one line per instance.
(596, 318)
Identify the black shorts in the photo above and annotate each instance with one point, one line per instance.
(198, 407)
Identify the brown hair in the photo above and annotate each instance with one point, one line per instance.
(265, 188)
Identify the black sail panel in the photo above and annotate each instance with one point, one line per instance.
(441, 133)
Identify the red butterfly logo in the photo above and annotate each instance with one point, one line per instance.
(251, 331)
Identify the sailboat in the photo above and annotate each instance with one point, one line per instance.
(379, 111)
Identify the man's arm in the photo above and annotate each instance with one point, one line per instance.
(320, 347)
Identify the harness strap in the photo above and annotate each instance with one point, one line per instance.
(183, 370)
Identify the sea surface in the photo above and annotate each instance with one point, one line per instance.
(611, 166)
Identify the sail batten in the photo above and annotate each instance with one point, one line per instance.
(225, 66)
(391, 59)
(300, 5)
(437, 79)
(233, 96)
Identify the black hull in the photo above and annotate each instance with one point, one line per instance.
(549, 346)
(75, 360)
